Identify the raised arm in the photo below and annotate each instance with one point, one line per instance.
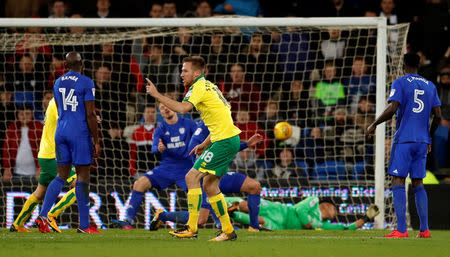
(180, 107)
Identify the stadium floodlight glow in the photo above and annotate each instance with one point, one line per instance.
(300, 47)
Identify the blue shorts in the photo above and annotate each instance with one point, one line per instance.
(231, 182)
(162, 177)
(408, 158)
(73, 150)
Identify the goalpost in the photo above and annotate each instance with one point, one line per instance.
(331, 158)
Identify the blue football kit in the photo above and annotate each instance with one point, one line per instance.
(73, 138)
(417, 96)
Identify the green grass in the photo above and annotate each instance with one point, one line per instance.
(122, 243)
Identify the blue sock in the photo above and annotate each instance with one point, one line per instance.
(53, 190)
(82, 194)
(253, 209)
(179, 217)
(399, 194)
(217, 222)
(135, 202)
(422, 206)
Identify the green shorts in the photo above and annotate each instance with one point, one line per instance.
(216, 158)
(49, 171)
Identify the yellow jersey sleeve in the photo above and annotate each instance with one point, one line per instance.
(214, 109)
(195, 94)
(47, 146)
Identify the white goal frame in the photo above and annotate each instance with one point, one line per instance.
(359, 22)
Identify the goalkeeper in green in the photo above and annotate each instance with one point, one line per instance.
(307, 214)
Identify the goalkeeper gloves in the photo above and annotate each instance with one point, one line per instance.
(371, 213)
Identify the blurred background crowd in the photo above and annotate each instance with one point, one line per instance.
(321, 82)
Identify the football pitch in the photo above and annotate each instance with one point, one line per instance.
(125, 243)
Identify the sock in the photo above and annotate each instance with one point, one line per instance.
(253, 209)
(400, 207)
(82, 193)
(220, 208)
(217, 222)
(194, 203)
(26, 211)
(63, 204)
(135, 202)
(179, 217)
(422, 206)
(53, 190)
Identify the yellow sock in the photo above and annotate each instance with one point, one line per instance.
(68, 199)
(26, 211)
(194, 197)
(220, 209)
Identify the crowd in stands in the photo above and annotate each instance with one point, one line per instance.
(323, 83)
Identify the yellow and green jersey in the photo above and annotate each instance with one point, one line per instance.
(47, 146)
(214, 109)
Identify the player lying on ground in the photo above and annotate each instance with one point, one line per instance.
(76, 132)
(307, 214)
(46, 158)
(171, 139)
(413, 98)
(216, 152)
(231, 182)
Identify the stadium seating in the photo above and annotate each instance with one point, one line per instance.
(329, 170)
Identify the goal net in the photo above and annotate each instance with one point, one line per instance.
(319, 75)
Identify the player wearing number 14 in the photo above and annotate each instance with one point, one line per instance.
(414, 98)
(75, 130)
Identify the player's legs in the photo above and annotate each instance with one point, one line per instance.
(217, 201)
(82, 195)
(139, 187)
(28, 208)
(253, 189)
(68, 199)
(54, 188)
(194, 196)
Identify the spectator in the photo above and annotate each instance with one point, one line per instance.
(355, 144)
(169, 9)
(160, 70)
(141, 158)
(245, 161)
(360, 83)
(7, 112)
(58, 9)
(156, 11)
(21, 146)
(203, 9)
(426, 67)
(387, 10)
(27, 83)
(329, 92)
(76, 30)
(312, 147)
(21, 9)
(270, 117)
(334, 47)
(39, 114)
(115, 152)
(57, 69)
(333, 133)
(217, 56)
(242, 94)
(250, 128)
(240, 7)
(285, 166)
(103, 10)
(107, 96)
(261, 65)
(294, 103)
(366, 105)
(444, 94)
(339, 8)
(183, 44)
(34, 44)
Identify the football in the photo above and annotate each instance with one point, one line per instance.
(282, 130)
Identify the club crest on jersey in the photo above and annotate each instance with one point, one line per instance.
(198, 131)
(181, 130)
(392, 93)
(188, 94)
(167, 133)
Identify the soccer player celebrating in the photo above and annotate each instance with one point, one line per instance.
(307, 214)
(215, 153)
(232, 182)
(76, 128)
(46, 158)
(171, 139)
(414, 98)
